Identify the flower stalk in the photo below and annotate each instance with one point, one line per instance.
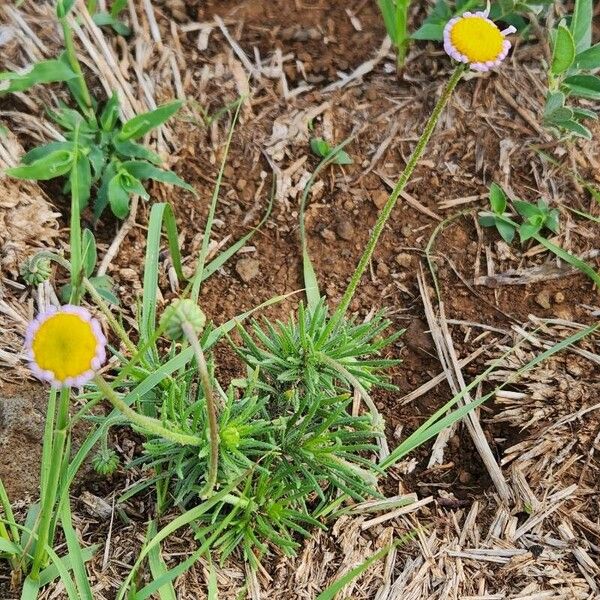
(391, 202)
(211, 407)
(148, 423)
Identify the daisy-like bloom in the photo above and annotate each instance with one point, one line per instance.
(474, 39)
(65, 346)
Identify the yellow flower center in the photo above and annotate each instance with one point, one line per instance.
(477, 38)
(64, 344)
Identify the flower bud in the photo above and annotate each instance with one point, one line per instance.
(178, 313)
(36, 270)
(105, 462)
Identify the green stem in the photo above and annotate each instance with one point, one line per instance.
(52, 479)
(71, 53)
(148, 423)
(211, 407)
(115, 325)
(389, 205)
(75, 229)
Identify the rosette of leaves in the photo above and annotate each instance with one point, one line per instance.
(105, 153)
(572, 74)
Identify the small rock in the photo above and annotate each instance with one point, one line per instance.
(404, 260)
(418, 338)
(406, 231)
(379, 198)
(247, 269)
(464, 477)
(559, 297)
(240, 184)
(345, 229)
(328, 235)
(543, 299)
(382, 269)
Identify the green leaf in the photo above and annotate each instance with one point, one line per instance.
(487, 220)
(47, 71)
(103, 284)
(97, 160)
(142, 124)
(586, 86)
(388, 12)
(110, 114)
(8, 547)
(526, 209)
(103, 18)
(63, 7)
(552, 221)
(560, 115)
(158, 568)
(144, 170)
(117, 7)
(433, 32)
(133, 185)
(554, 101)
(75, 552)
(320, 147)
(41, 151)
(584, 113)
(81, 180)
(563, 52)
(581, 24)
(589, 59)
(506, 230)
(52, 165)
(101, 202)
(528, 230)
(577, 128)
(89, 255)
(497, 199)
(128, 149)
(118, 197)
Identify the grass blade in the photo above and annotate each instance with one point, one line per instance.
(158, 568)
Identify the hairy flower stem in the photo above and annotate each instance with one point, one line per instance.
(211, 407)
(148, 423)
(50, 479)
(391, 202)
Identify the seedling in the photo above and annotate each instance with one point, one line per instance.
(322, 149)
(574, 60)
(534, 219)
(395, 17)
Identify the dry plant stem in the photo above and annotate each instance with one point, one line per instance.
(211, 407)
(389, 205)
(148, 423)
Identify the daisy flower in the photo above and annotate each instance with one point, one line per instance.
(65, 346)
(474, 39)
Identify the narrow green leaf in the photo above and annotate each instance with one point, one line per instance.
(8, 547)
(142, 124)
(81, 180)
(569, 258)
(158, 567)
(42, 151)
(89, 255)
(52, 165)
(128, 149)
(47, 71)
(110, 114)
(144, 170)
(563, 52)
(526, 209)
(75, 552)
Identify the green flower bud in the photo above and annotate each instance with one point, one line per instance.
(178, 313)
(36, 270)
(230, 437)
(105, 462)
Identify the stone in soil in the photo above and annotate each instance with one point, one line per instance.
(345, 229)
(247, 269)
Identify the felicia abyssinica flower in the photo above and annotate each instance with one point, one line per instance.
(65, 346)
(474, 39)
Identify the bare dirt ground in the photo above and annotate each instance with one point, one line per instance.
(526, 524)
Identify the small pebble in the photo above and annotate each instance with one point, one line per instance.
(247, 269)
(543, 299)
(379, 198)
(328, 235)
(404, 260)
(559, 297)
(345, 230)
